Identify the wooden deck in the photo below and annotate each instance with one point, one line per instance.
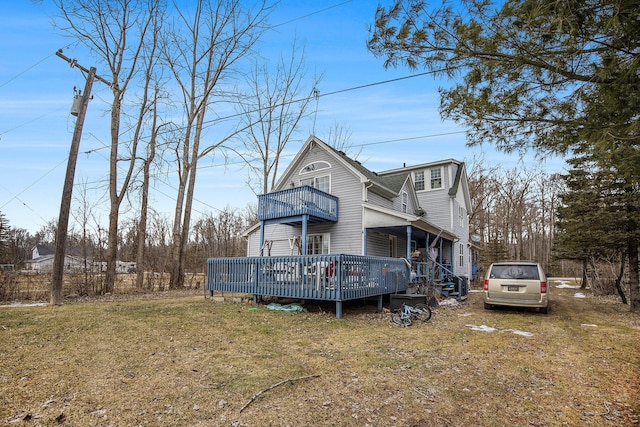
(335, 278)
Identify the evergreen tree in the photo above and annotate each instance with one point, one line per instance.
(551, 76)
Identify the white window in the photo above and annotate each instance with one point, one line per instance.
(393, 246)
(318, 244)
(436, 178)
(315, 166)
(405, 201)
(322, 183)
(418, 178)
(461, 255)
(461, 215)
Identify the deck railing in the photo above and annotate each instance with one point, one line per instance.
(439, 276)
(319, 277)
(298, 201)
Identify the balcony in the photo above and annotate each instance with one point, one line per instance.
(291, 204)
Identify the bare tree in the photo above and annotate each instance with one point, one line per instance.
(116, 31)
(220, 235)
(272, 109)
(201, 51)
(513, 211)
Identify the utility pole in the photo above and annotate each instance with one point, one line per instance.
(65, 204)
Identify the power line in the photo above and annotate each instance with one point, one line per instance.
(311, 14)
(29, 68)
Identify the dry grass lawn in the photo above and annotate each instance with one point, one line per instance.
(188, 361)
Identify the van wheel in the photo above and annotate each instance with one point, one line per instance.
(488, 306)
(544, 310)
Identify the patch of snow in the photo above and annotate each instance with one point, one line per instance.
(485, 328)
(523, 333)
(19, 304)
(472, 291)
(448, 301)
(564, 285)
(580, 295)
(590, 325)
(482, 328)
(465, 314)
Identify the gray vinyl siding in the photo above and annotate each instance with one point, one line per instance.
(346, 234)
(377, 244)
(397, 202)
(378, 200)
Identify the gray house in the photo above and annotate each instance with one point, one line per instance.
(42, 260)
(336, 230)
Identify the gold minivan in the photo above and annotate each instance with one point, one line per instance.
(516, 284)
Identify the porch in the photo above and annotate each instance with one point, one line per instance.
(337, 277)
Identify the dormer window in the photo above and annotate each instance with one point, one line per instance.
(418, 178)
(436, 178)
(421, 183)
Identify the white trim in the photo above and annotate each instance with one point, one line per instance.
(310, 167)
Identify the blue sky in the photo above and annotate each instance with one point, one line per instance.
(390, 123)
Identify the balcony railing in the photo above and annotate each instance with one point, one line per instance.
(298, 201)
(319, 277)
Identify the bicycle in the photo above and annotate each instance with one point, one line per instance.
(407, 314)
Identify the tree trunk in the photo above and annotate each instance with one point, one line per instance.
(142, 225)
(114, 198)
(583, 285)
(634, 285)
(623, 297)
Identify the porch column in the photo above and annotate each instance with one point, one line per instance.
(409, 243)
(364, 249)
(305, 218)
(261, 238)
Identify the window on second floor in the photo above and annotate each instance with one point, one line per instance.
(322, 183)
(434, 181)
(461, 255)
(436, 178)
(418, 178)
(461, 215)
(405, 201)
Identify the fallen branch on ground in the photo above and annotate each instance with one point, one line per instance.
(274, 386)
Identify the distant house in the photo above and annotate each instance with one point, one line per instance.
(74, 262)
(334, 230)
(42, 260)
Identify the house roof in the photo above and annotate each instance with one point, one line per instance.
(392, 186)
(45, 250)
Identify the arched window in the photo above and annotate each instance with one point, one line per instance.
(315, 166)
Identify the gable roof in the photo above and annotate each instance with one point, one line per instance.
(458, 180)
(45, 250)
(380, 184)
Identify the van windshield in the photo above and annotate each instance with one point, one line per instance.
(515, 271)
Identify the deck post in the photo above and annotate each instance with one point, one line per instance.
(305, 219)
(261, 238)
(408, 256)
(338, 309)
(379, 303)
(364, 249)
